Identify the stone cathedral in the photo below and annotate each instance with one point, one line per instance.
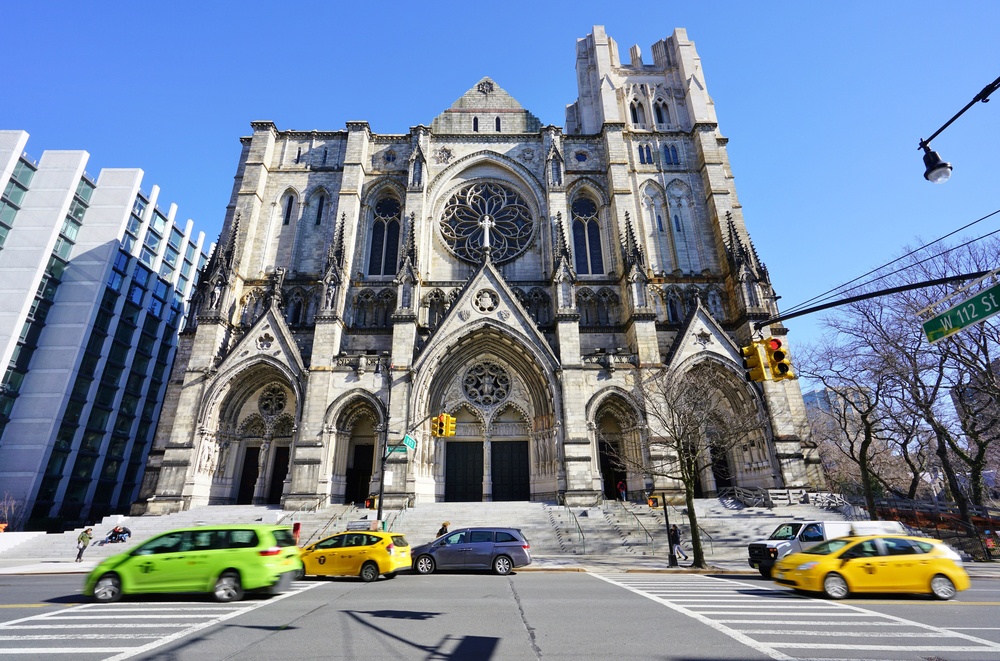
(513, 275)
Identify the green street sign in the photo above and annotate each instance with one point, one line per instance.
(983, 305)
(410, 442)
(397, 448)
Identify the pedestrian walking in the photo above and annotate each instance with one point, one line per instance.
(622, 489)
(443, 530)
(82, 542)
(675, 542)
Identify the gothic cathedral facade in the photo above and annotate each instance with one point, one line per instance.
(518, 277)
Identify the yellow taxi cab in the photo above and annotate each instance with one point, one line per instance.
(367, 554)
(875, 563)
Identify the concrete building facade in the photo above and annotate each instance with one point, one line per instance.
(94, 279)
(519, 277)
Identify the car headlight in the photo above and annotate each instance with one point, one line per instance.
(806, 566)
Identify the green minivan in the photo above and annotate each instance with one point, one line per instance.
(223, 560)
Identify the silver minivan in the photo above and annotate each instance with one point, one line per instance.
(499, 549)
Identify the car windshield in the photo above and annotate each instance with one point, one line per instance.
(826, 548)
(786, 531)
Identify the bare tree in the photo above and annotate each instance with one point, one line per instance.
(697, 420)
(951, 386)
(12, 511)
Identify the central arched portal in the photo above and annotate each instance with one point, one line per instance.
(505, 444)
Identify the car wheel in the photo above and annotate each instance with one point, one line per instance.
(228, 587)
(424, 565)
(835, 587)
(943, 588)
(369, 572)
(502, 565)
(108, 589)
(765, 571)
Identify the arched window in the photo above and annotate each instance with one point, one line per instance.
(539, 306)
(320, 204)
(649, 155)
(642, 154)
(659, 222)
(436, 306)
(418, 172)
(587, 304)
(498, 124)
(288, 209)
(556, 172)
(670, 155)
(383, 253)
(475, 124)
(638, 114)
(662, 112)
(677, 223)
(587, 238)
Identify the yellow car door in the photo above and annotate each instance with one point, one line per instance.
(907, 565)
(324, 557)
(353, 554)
(863, 566)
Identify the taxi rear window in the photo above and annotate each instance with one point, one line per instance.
(284, 537)
(399, 540)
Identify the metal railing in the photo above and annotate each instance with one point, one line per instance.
(751, 497)
(649, 541)
(310, 506)
(579, 531)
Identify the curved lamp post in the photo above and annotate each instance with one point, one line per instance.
(936, 170)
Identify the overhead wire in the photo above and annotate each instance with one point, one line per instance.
(841, 291)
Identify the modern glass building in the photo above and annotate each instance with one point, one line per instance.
(94, 277)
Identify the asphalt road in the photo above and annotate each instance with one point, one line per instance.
(527, 615)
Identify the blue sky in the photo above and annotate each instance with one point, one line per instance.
(823, 103)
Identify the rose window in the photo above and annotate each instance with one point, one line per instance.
(487, 214)
(272, 401)
(486, 384)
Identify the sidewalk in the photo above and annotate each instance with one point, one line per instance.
(584, 563)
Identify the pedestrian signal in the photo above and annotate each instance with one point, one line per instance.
(777, 358)
(449, 425)
(754, 359)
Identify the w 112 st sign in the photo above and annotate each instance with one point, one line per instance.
(983, 305)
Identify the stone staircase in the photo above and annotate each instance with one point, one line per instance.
(609, 529)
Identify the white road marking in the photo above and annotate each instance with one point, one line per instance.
(96, 616)
(830, 614)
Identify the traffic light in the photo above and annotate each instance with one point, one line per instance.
(449, 425)
(753, 362)
(777, 358)
(438, 425)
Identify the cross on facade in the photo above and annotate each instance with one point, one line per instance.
(486, 223)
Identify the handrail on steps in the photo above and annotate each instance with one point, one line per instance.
(650, 542)
(579, 530)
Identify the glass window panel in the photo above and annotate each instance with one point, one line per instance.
(84, 190)
(147, 256)
(141, 276)
(135, 294)
(176, 238)
(170, 256)
(77, 210)
(14, 193)
(70, 229)
(158, 223)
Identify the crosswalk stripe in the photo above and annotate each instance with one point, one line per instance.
(707, 607)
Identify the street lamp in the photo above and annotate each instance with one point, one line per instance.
(936, 170)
